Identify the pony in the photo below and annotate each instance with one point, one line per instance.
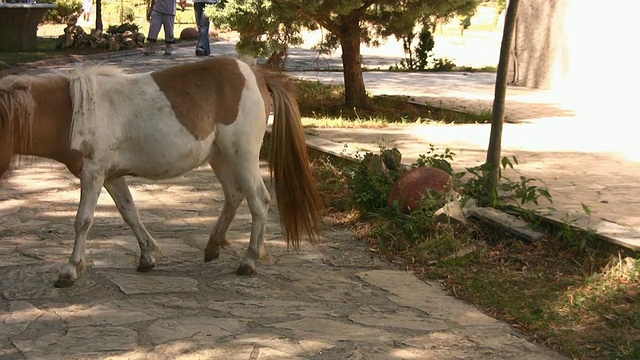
(104, 125)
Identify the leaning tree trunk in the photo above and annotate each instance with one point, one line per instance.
(355, 93)
(499, 99)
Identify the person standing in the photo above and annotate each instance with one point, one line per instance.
(162, 13)
(202, 21)
(87, 9)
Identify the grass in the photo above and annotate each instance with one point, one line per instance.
(46, 50)
(578, 300)
(322, 105)
(48, 34)
(567, 291)
(584, 304)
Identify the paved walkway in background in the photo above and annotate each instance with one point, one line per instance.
(577, 146)
(331, 301)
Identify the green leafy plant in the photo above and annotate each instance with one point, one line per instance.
(122, 28)
(434, 159)
(370, 183)
(63, 13)
(509, 195)
(585, 240)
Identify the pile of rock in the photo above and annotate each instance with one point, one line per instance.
(75, 37)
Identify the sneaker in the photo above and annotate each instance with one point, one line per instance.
(200, 52)
(168, 50)
(149, 48)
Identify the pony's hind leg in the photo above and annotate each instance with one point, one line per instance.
(232, 198)
(119, 191)
(237, 165)
(90, 185)
(258, 199)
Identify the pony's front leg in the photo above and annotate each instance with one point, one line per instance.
(233, 196)
(119, 191)
(90, 185)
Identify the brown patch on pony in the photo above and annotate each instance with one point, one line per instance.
(51, 134)
(35, 120)
(203, 94)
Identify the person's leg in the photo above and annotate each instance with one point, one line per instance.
(203, 47)
(169, 38)
(154, 30)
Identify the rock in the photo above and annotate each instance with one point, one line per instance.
(413, 185)
(392, 158)
(189, 34)
(453, 212)
(375, 166)
(508, 222)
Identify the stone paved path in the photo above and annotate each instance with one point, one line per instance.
(334, 300)
(330, 301)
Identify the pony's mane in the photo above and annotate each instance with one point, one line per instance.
(87, 117)
(97, 70)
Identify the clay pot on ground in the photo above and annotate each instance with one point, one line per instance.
(415, 184)
(189, 34)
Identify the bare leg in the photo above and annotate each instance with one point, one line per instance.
(232, 198)
(119, 191)
(91, 184)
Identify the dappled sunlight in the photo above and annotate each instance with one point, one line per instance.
(8, 206)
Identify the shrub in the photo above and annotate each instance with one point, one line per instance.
(66, 9)
(120, 29)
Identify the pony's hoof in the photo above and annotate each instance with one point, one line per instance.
(146, 264)
(64, 282)
(214, 248)
(211, 255)
(246, 269)
(69, 273)
(144, 268)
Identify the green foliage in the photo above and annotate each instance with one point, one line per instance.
(442, 64)
(418, 57)
(370, 183)
(119, 29)
(331, 182)
(263, 26)
(585, 240)
(66, 9)
(269, 26)
(421, 57)
(434, 159)
(129, 15)
(507, 192)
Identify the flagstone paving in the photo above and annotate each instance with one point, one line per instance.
(331, 300)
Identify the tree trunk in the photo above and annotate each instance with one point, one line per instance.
(99, 15)
(355, 93)
(499, 100)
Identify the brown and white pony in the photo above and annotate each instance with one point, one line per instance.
(104, 124)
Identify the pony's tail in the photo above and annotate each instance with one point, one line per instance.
(299, 202)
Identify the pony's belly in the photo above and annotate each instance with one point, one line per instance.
(164, 159)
